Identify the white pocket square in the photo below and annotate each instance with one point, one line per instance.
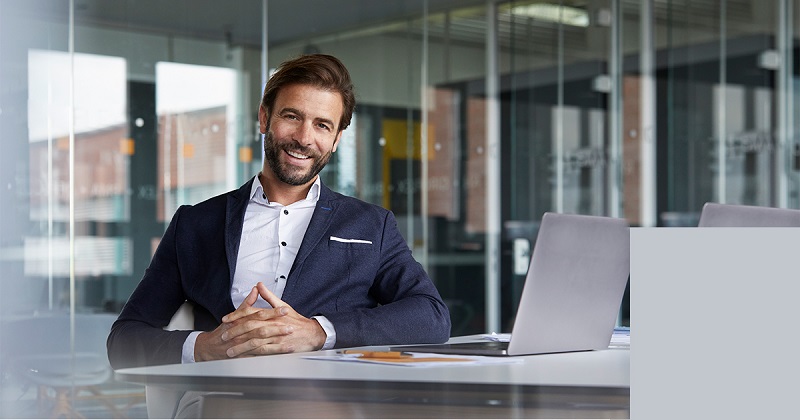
(350, 241)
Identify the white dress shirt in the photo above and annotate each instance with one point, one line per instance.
(271, 236)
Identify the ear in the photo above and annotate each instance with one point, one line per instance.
(336, 142)
(263, 119)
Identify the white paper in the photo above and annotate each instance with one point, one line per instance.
(444, 360)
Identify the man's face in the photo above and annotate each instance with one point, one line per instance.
(302, 130)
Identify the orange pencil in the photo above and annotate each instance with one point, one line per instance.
(378, 354)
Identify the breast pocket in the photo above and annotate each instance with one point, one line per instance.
(351, 245)
(351, 266)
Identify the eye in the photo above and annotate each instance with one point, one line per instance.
(324, 126)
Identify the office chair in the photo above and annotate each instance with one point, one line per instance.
(162, 402)
(736, 215)
(43, 351)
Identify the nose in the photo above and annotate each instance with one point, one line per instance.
(304, 134)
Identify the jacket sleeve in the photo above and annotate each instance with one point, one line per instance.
(137, 338)
(410, 308)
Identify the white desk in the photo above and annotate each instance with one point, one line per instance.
(592, 384)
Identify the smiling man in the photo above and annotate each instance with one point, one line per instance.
(297, 162)
(283, 264)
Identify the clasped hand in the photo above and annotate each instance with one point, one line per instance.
(251, 331)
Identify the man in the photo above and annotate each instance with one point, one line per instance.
(283, 264)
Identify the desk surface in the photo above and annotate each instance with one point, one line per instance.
(605, 369)
(592, 378)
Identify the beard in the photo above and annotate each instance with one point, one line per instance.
(288, 173)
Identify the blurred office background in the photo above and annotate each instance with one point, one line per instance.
(474, 118)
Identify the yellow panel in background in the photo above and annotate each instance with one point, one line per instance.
(396, 135)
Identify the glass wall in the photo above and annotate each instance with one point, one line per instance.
(473, 119)
(556, 119)
(725, 83)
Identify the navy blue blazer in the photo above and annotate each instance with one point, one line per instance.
(372, 293)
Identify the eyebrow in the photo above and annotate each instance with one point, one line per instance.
(302, 114)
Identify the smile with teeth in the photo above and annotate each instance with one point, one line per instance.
(297, 155)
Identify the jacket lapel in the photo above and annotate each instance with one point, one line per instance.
(234, 220)
(320, 221)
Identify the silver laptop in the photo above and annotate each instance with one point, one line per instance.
(572, 292)
(736, 215)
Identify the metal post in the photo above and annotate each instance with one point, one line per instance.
(722, 121)
(785, 92)
(424, 138)
(493, 214)
(615, 114)
(648, 119)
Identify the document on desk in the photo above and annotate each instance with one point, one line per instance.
(411, 359)
(499, 337)
(621, 338)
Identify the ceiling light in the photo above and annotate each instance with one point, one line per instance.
(553, 13)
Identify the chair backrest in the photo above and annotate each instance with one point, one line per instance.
(736, 215)
(183, 319)
(162, 402)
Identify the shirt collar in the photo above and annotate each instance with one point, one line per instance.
(257, 191)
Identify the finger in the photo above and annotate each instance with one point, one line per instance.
(260, 350)
(259, 346)
(260, 325)
(270, 297)
(245, 308)
(251, 298)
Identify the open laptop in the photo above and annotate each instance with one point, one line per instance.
(736, 215)
(572, 291)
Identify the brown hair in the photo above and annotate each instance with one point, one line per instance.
(320, 70)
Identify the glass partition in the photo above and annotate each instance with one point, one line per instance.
(556, 92)
(457, 173)
(717, 73)
(442, 215)
(196, 108)
(62, 115)
(96, 128)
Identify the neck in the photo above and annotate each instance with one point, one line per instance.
(280, 192)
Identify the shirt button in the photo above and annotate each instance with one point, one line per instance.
(283, 243)
(285, 211)
(264, 196)
(283, 277)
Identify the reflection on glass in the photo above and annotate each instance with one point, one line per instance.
(52, 341)
(197, 109)
(346, 160)
(749, 143)
(102, 153)
(457, 162)
(718, 129)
